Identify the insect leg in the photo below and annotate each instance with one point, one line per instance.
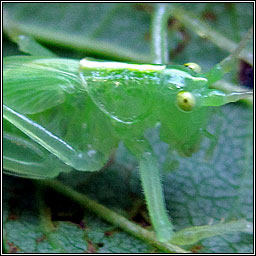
(24, 158)
(151, 182)
(91, 160)
(152, 187)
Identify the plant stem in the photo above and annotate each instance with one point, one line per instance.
(76, 42)
(111, 216)
(205, 31)
(159, 50)
(227, 63)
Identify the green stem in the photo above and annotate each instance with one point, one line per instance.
(76, 42)
(226, 64)
(159, 34)
(205, 31)
(111, 216)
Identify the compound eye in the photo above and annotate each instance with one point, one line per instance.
(185, 101)
(193, 66)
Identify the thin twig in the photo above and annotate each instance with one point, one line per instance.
(111, 216)
(159, 34)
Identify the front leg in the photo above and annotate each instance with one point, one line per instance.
(152, 187)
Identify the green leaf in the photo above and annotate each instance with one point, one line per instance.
(45, 228)
(109, 239)
(205, 190)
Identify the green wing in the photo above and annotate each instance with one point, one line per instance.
(34, 84)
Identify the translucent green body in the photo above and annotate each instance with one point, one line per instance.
(62, 113)
(136, 98)
(120, 103)
(67, 113)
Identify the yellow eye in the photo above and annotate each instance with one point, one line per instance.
(193, 66)
(185, 101)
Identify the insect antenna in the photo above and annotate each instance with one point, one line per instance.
(226, 65)
(235, 96)
(217, 98)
